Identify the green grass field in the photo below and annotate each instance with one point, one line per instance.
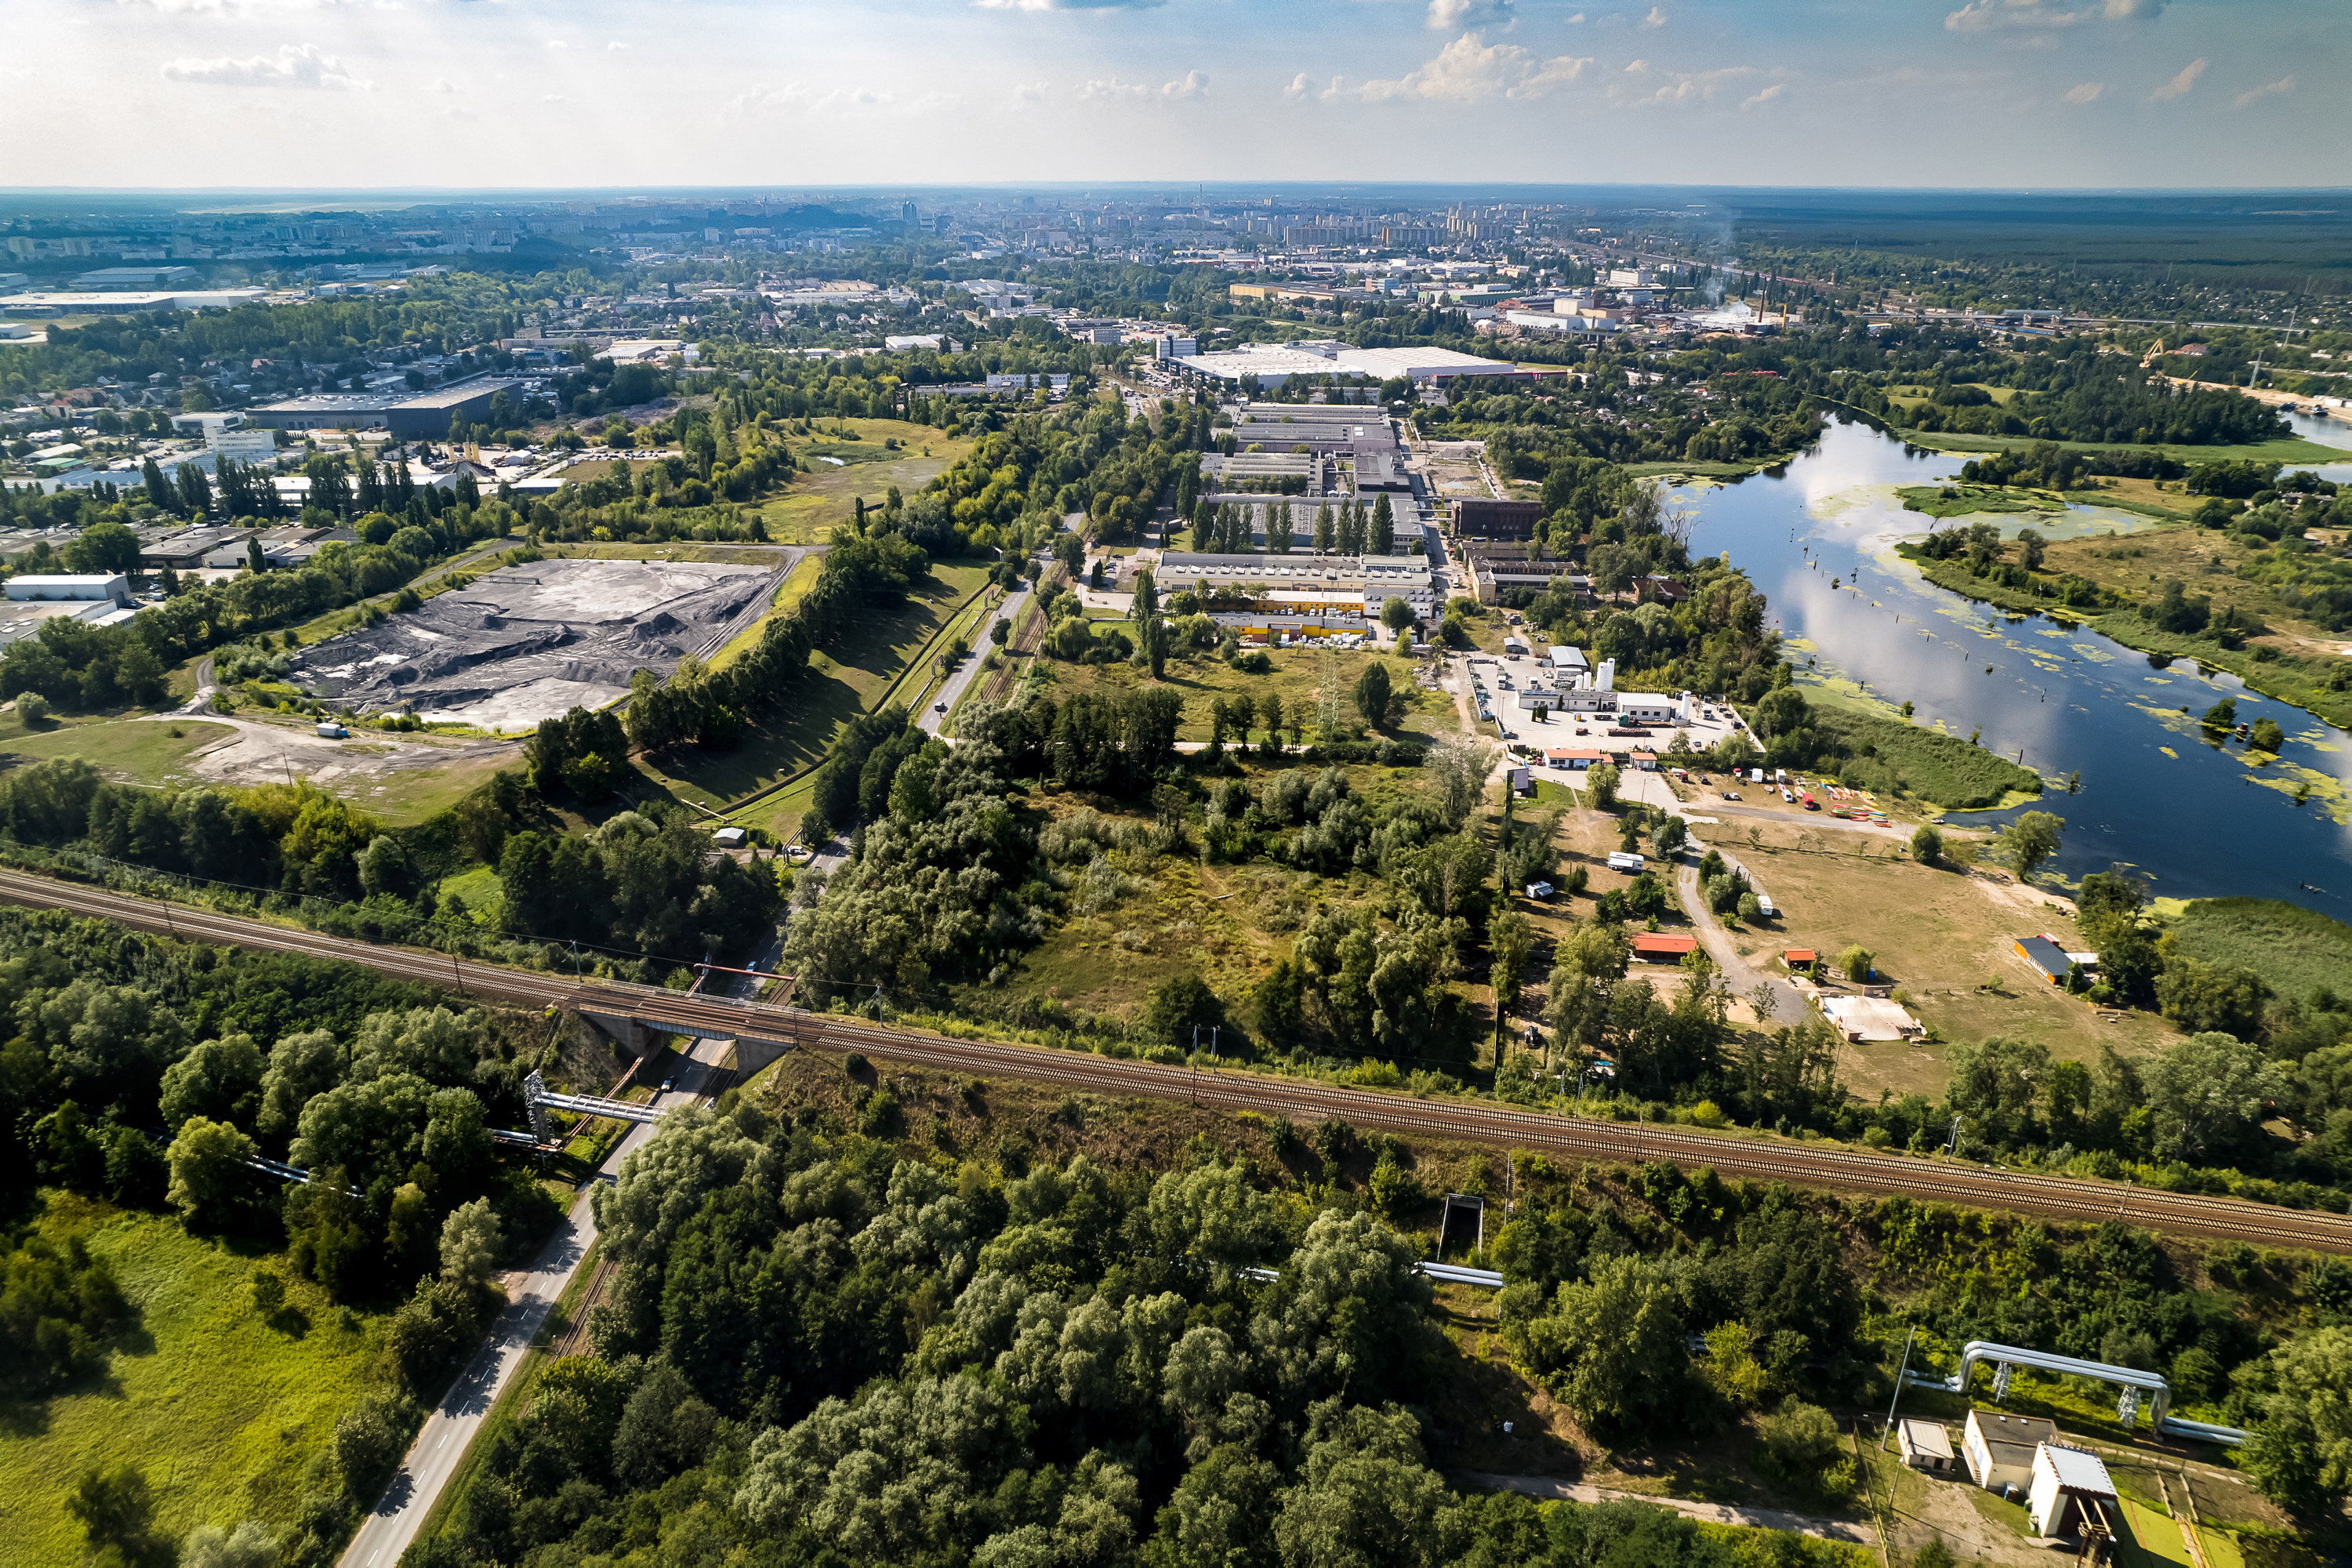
(820, 499)
(1941, 769)
(2296, 450)
(131, 751)
(1929, 500)
(2296, 950)
(1296, 677)
(222, 1412)
(849, 680)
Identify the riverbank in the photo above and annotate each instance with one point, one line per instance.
(2294, 450)
(2301, 682)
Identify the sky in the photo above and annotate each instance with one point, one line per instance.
(531, 93)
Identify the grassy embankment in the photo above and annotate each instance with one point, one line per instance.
(858, 675)
(223, 1412)
(2295, 449)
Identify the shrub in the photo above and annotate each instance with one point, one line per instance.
(1856, 963)
(33, 708)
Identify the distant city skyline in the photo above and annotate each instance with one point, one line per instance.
(458, 94)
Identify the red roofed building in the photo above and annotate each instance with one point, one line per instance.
(1659, 947)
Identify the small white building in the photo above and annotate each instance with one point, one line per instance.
(1999, 1448)
(98, 585)
(1645, 707)
(1926, 1445)
(2070, 1489)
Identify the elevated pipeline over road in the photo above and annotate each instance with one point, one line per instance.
(1833, 1167)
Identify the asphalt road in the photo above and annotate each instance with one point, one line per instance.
(440, 1446)
(943, 704)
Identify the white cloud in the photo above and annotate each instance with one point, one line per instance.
(762, 98)
(1677, 86)
(1445, 15)
(1067, 5)
(2278, 88)
(1766, 96)
(1298, 90)
(1573, 21)
(443, 84)
(2085, 92)
(1192, 85)
(1028, 93)
(1469, 70)
(615, 46)
(224, 8)
(552, 98)
(2180, 84)
(1984, 16)
(294, 65)
(1657, 18)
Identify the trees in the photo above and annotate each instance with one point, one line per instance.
(219, 1078)
(115, 1507)
(1995, 1086)
(1374, 695)
(1397, 616)
(1612, 1348)
(2301, 1455)
(1601, 781)
(2206, 998)
(471, 1240)
(2208, 1091)
(1927, 844)
(2029, 841)
(1511, 942)
(211, 1179)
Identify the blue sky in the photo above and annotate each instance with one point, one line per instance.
(522, 92)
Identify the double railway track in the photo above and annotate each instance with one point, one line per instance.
(1835, 1168)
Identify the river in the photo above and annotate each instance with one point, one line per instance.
(2156, 795)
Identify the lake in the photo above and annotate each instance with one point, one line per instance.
(2156, 795)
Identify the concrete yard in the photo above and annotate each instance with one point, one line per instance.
(526, 643)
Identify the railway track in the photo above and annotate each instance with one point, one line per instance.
(1812, 1165)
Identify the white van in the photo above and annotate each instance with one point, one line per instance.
(330, 731)
(1625, 860)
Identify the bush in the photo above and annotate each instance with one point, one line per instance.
(33, 708)
(1927, 844)
(1797, 1447)
(1856, 963)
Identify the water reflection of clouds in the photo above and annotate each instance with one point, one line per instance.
(2068, 699)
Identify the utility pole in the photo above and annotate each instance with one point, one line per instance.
(1900, 1372)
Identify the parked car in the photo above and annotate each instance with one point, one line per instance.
(1728, 795)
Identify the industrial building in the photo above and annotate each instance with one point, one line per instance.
(1270, 364)
(1305, 583)
(1483, 517)
(112, 585)
(397, 412)
(114, 303)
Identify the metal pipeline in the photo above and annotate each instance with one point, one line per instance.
(2153, 1384)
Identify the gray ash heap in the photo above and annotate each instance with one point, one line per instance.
(525, 643)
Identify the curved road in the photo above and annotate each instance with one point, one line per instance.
(1816, 1165)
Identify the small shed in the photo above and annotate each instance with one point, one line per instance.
(2070, 1490)
(2046, 956)
(730, 839)
(1662, 947)
(1999, 1448)
(1799, 960)
(1926, 1445)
